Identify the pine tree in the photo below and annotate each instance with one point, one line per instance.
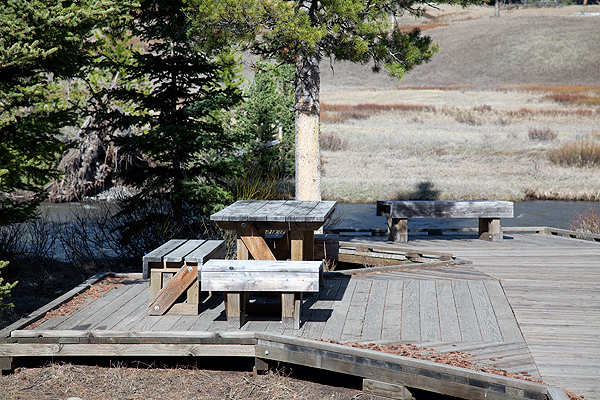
(302, 33)
(42, 42)
(177, 123)
(267, 116)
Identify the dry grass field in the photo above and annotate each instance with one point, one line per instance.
(509, 109)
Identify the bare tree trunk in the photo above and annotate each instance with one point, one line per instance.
(308, 160)
(497, 9)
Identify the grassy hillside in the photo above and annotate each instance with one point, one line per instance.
(524, 46)
(512, 127)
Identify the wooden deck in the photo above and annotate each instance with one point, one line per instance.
(528, 304)
(552, 284)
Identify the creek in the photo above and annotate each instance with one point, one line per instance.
(554, 214)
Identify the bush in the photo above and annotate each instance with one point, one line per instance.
(579, 153)
(332, 142)
(587, 222)
(5, 289)
(542, 134)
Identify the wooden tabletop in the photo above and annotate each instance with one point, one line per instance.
(276, 214)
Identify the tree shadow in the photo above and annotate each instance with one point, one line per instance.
(422, 191)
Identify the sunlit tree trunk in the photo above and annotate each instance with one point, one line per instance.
(308, 163)
(497, 9)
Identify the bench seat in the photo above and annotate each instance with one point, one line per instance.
(237, 278)
(173, 271)
(489, 214)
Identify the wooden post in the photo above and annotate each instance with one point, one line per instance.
(291, 308)
(398, 229)
(297, 245)
(384, 391)
(242, 250)
(7, 364)
(490, 229)
(235, 309)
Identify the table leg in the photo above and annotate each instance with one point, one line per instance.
(242, 250)
(302, 245)
(253, 241)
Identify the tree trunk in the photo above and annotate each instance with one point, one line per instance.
(497, 9)
(308, 160)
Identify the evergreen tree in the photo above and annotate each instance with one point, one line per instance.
(303, 32)
(177, 123)
(267, 116)
(42, 42)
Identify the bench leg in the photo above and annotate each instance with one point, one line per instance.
(490, 229)
(398, 230)
(291, 309)
(235, 309)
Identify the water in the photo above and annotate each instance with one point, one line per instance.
(553, 214)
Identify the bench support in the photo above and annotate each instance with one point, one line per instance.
(236, 302)
(235, 308)
(291, 308)
(398, 230)
(490, 229)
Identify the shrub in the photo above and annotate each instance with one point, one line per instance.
(542, 134)
(578, 153)
(587, 222)
(467, 117)
(5, 289)
(332, 142)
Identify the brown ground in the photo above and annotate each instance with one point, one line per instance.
(63, 381)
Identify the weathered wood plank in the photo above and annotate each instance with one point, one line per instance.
(411, 323)
(124, 350)
(392, 317)
(335, 324)
(428, 311)
(445, 209)
(449, 326)
(467, 318)
(373, 323)
(488, 324)
(355, 318)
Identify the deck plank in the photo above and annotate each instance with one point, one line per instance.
(465, 309)
(373, 324)
(449, 326)
(411, 324)
(430, 318)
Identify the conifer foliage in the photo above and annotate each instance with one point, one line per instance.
(267, 118)
(178, 122)
(41, 43)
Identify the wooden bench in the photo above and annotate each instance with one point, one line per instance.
(173, 271)
(237, 278)
(488, 212)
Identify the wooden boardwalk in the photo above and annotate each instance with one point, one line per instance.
(553, 286)
(530, 304)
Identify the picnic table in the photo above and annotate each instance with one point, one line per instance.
(250, 219)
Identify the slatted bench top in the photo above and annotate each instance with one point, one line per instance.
(260, 275)
(183, 251)
(446, 209)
